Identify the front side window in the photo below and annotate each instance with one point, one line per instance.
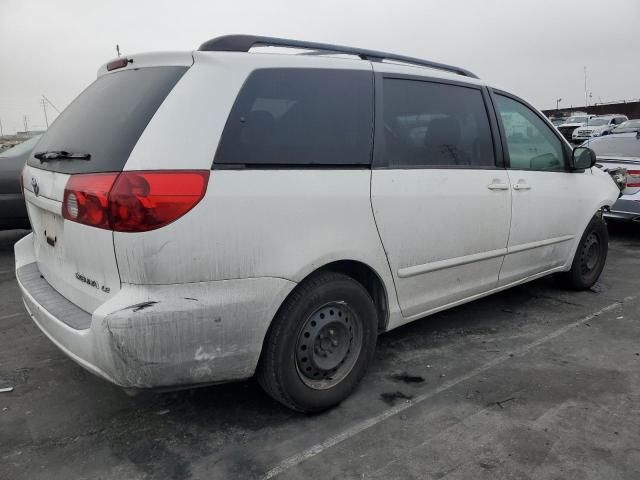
(300, 117)
(531, 143)
(427, 124)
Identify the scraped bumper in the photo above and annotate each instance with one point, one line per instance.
(149, 336)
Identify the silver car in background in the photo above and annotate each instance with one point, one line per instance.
(621, 151)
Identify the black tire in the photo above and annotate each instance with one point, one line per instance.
(297, 339)
(590, 256)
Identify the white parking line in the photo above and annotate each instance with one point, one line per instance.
(366, 424)
(4, 317)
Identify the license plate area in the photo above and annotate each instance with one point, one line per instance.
(49, 235)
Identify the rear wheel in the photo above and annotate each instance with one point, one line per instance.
(590, 256)
(320, 343)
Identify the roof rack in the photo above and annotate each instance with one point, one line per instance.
(243, 43)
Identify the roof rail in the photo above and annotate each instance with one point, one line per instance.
(243, 43)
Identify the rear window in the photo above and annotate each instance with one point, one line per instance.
(297, 117)
(107, 119)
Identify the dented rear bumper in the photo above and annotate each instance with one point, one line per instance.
(149, 336)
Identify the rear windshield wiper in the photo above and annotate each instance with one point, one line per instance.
(61, 155)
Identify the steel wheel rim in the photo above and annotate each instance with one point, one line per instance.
(328, 345)
(591, 252)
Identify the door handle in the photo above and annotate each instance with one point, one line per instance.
(521, 186)
(498, 186)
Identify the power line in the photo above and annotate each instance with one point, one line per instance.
(50, 103)
(43, 102)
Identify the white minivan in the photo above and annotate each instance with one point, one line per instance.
(199, 217)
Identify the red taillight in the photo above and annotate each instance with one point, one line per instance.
(633, 178)
(118, 63)
(141, 201)
(86, 199)
(133, 201)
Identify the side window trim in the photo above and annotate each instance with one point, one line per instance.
(496, 132)
(379, 163)
(507, 160)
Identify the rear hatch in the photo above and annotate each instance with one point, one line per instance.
(102, 125)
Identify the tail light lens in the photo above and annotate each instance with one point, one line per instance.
(133, 201)
(633, 178)
(86, 199)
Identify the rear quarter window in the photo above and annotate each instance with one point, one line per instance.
(300, 117)
(107, 119)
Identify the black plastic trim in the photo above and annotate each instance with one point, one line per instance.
(243, 43)
(284, 166)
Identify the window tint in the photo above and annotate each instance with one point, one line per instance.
(531, 143)
(433, 124)
(300, 117)
(107, 119)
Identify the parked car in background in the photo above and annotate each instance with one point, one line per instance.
(597, 127)
(13, 212)
(621, 151)
(282, 239)
(573, 122)
(557, 121)
(629, 126)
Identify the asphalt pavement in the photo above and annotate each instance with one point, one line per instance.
(532, 383)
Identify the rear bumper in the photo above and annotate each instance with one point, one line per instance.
(624, 210)
(149, 336)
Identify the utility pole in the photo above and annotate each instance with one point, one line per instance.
(118, 49)
(586, 100)
(43, 102)
(558, 100)
(26, 125)
(1, 131)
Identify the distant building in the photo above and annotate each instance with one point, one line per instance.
(630, 108)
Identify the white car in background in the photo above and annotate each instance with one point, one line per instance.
(597, 127)
(573, 122)
(202, 216)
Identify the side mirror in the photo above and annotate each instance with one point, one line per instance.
(583, 158)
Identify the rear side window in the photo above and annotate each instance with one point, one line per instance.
(427, 124)
(300, 117)
(107, 119)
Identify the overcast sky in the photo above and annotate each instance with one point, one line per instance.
(534, 48)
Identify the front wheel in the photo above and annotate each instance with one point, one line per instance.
(590, 256)
(320, 343)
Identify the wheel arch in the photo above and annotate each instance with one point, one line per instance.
(364, 274)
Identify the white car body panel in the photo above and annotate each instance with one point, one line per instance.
(74, 254)
(191, 302)
(436, 254)
(544, 235)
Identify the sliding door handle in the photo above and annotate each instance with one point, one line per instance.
(521, 186)
(498, 186)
